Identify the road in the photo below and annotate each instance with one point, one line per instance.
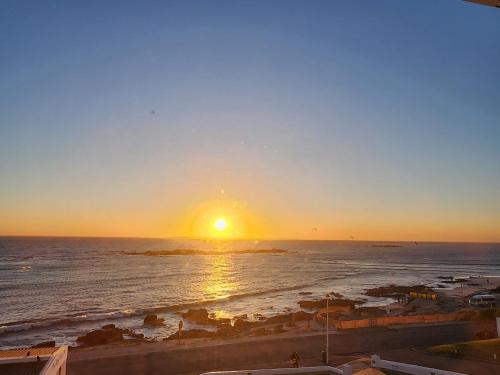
(268, 352)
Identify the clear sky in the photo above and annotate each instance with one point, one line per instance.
(313, 119)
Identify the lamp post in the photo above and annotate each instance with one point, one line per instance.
(327, 330)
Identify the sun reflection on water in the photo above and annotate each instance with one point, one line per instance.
(220, 280)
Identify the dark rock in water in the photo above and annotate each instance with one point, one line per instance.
(243, 325)
(108, 326)
(201, 316)
(219, 321)
(196, 315)
(101, 337)
(305, 293)
(322, 303)
(192, 334)
(153, 320)
(153, 253)
(445, 277)
(133, 335)
(336, 295)
(45, 344)
(280, 319)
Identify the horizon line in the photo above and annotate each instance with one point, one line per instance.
(235, 239)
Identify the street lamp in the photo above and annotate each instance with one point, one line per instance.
(327, 331)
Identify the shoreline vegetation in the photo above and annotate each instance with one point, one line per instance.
(156, 253)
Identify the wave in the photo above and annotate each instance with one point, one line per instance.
(83, 317)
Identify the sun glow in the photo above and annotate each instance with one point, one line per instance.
(221, 224)
(224, 218)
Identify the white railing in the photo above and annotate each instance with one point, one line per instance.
(409, 369)
(56, 361)
(346, 370)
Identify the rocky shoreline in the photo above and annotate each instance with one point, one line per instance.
(310, 317)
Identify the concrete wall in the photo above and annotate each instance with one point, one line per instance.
(399, 320)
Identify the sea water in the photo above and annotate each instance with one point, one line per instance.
(59, 288)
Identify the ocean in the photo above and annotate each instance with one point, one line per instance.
(58, 288)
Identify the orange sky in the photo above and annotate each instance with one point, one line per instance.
(318, 122)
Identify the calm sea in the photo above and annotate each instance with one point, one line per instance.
(57, 288)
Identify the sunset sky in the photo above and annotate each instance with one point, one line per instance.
(312, 119)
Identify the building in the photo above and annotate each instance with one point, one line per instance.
(374, 366)
(34, 361)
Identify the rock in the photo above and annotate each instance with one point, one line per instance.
(259, 316)
(101, 337)
(45, 344)
(244, 316)
(108, 326)
(153, 320)
(306, 304)
(195, 333)
(302, 315)
(201, 316)
(133, 335)
(305, 293)
(225, 332)
(243, 325)
(279, 329)
(196, 315)
(312, 304)
(220, 321)
(279, 319)
(336, 295)
(261, 332)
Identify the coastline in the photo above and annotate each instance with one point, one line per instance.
(123, 290)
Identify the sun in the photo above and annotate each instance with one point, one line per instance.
(220, 224)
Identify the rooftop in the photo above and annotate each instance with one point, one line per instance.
(33, 361)
(22, 368)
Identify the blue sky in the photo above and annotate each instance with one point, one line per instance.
(379, 119)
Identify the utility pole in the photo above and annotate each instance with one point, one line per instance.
(327, 331)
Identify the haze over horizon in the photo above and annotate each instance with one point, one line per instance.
(313, 120)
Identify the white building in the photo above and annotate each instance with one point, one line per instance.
(34, 361)
(375, 365)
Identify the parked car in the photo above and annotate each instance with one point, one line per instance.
(483, 300)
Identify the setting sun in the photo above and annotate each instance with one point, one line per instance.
(221, 224)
